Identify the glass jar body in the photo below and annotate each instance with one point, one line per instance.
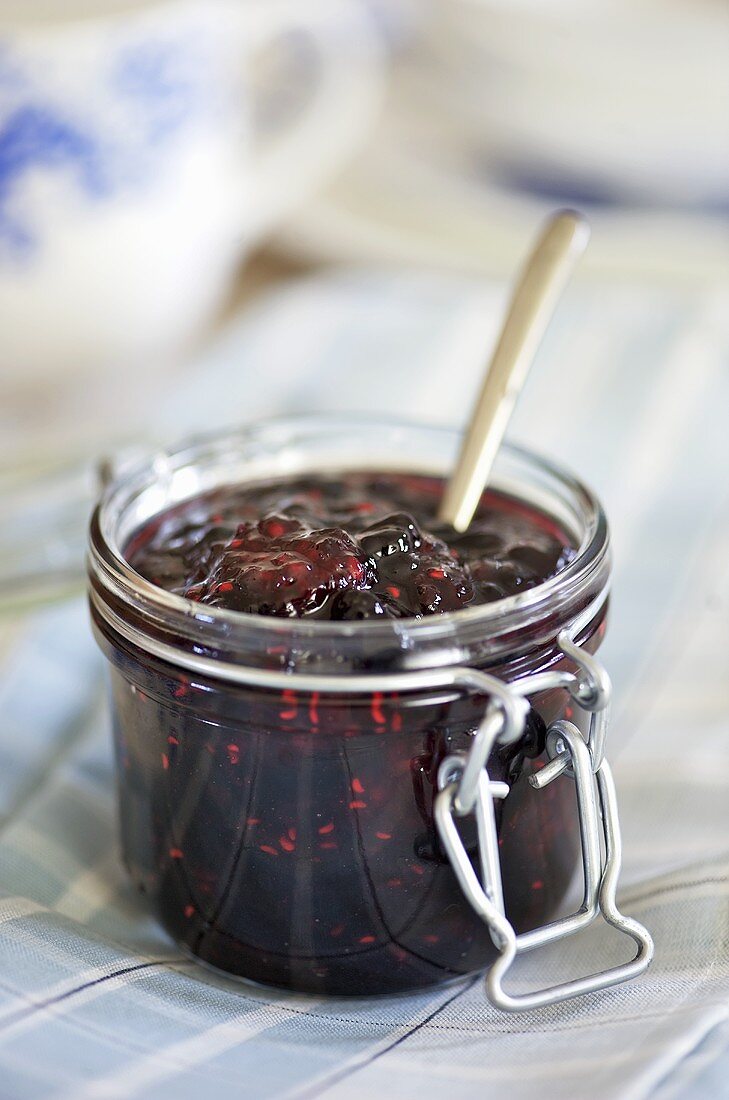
(287, 835)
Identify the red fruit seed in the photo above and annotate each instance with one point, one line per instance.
(289, 697)
(376, 709)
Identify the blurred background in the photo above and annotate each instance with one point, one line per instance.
(212, 212)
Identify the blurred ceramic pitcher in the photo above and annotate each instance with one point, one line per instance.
(132, 177)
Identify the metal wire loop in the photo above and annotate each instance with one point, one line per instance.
(503, 723)
(592, 684)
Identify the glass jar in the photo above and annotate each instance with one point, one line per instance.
(277, 777)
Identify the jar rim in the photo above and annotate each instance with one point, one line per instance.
(159, 481)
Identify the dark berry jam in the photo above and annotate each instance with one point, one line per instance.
(286, 835)
(357, 546)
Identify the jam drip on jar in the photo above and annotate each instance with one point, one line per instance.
(356, 546)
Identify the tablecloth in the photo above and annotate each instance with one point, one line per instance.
(631, 389)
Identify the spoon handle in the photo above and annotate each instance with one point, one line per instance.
(533, 302)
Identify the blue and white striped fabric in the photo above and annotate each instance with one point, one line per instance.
(632, 390)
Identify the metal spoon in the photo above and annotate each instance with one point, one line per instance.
(533, 302)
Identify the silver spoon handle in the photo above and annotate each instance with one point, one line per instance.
(533, 302)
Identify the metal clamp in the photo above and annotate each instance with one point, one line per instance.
(463, 790)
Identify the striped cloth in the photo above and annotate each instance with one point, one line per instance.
(632, 389)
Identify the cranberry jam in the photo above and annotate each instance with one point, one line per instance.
(357, 546)
(281, 826)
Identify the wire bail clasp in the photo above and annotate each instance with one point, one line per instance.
(465, 787)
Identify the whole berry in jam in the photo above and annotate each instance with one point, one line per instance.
(416, 569)
(358, 546)
(279, 566)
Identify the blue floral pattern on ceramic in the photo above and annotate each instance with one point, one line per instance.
(33, 137)
(155, 89)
